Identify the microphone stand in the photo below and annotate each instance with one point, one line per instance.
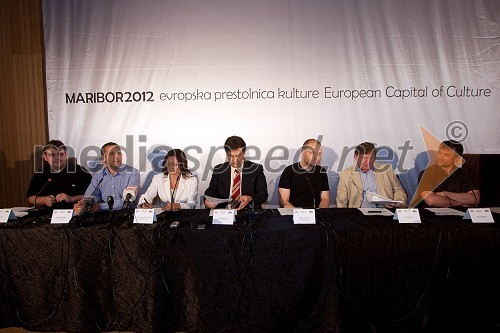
(312, 192)
(129, 215)
(111, 201)
(80, 221)
(317, 211)
(38, 194)
(82, 215)
(88, 204)
(251, 215)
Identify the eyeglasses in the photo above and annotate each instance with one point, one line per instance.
(173, 165)
(61, 154)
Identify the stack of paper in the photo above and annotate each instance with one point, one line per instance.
(446, 211)
(378, 199)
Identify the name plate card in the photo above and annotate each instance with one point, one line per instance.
(147, 216)
(62, 215)
(410, 215)
(479, 215)
(304, 216)
(224, 216)
(6, 215)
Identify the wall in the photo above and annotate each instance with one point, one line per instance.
(22, 101)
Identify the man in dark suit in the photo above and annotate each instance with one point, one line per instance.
(242, 182)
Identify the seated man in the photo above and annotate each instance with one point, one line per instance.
(444, 184)
(305, 183)
(368, 176)
(61, 183)
(112, 180)
(240, 181)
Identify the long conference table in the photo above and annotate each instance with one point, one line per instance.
(346, 273)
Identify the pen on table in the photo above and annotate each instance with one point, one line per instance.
(375, 211)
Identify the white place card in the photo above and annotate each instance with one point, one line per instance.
(224, 216)
(147, 216)
(304, 216)
(62, 215)
(409, 215)
(6, 215)
(479, 215)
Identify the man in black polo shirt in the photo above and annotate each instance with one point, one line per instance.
(445, 184)
(61, 183)
(305, 183)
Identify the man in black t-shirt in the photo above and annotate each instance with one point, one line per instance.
(305, 183)
(61, 183)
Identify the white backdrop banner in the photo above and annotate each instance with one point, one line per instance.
(154, 75)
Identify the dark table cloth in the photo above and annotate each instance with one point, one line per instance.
(347, 273)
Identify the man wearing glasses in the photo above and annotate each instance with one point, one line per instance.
(241, 182)
(60, 183)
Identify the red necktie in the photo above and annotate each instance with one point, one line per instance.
(236, 189)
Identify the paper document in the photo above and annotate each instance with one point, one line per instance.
(376, 211)
(21, 211)
(216, 200)
(446, 211)
(495, 210)
(378, 199)
(285, 211)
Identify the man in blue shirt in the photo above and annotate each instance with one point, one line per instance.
(112, 180)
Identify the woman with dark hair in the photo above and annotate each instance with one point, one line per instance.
(176, 186)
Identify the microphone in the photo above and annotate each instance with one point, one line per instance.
(111, 201)
(129, 194)
(312, 192)
(49, 180)
(88, 203)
